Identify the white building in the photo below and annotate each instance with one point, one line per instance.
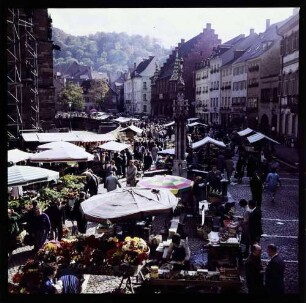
(137, 87)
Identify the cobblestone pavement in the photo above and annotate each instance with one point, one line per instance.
(280, 226)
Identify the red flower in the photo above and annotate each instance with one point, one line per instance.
(17, 278)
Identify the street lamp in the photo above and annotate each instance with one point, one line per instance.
(69, 104)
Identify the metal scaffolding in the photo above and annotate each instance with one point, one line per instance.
(22, 73)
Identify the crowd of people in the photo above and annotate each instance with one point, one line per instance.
(109, 167)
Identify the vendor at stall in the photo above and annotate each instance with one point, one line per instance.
(179, 252)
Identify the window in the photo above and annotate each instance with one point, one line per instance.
(144, 85)
(144, 97)
(144, 108)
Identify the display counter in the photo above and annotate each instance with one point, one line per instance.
(225, 279)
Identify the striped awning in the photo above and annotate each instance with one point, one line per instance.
(25, 175)
(259, 136)
(245, 132)
(96, 137)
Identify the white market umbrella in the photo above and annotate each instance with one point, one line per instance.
(114, 146)
(208, 140)
(61, 154)
(128, 203)
(57, 144)
(25, 175)
(259, 136)
(16, 155)
(133, 128)
(246, 132)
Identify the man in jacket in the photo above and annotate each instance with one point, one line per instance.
(111, 182)
(274, 272)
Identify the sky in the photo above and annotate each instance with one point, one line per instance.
(168, 25)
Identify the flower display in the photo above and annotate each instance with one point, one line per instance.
(132, 251)
(28, 278)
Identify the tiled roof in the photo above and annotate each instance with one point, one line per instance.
(183, 50)
(241, 45)
(257, 49)
(142, 66)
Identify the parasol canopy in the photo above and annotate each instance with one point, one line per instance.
(133, 128)
(25, 175)
(114, 146)
(259, 136)
(246, 132)
(174, 183)
(61, 154)
(57, 144)
(17, 155)
(127, 203)
(208, 140)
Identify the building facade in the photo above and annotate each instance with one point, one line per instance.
(137, 87)
(289, 78)
(193, 51)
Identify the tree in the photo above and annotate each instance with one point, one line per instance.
(72, 93)
(100, 91)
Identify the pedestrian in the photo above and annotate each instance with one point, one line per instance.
(55, 216)
(131, 173)
(48, 285)
(271, 183)
(41, 228)
(154, 152)
(255, 225)
(274, 274)
(256, 188)
(111, 182)
(214, 179)
(244, 225)
(147, 161)
(92, 183)
(78, 215)
(229, 167)
(240, 166)
(254, 271)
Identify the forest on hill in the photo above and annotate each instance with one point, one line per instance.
(106, 52)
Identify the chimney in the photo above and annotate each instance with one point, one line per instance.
(208, 25)
(267, 23)
(251, 31)
(180, 43)
(134, 65)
